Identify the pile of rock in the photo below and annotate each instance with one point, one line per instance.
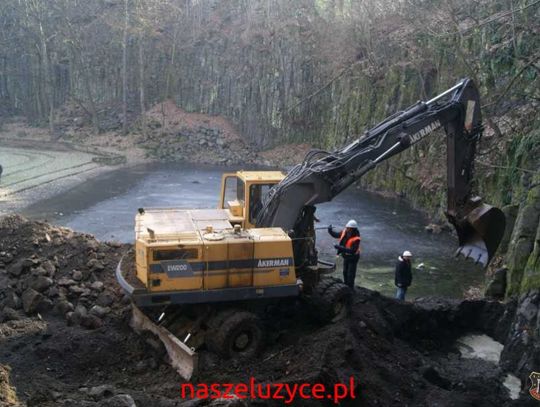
(63, 273)
(207, 145)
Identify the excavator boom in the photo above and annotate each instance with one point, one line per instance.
(324, 175)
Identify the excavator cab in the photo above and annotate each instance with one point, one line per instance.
(242, 194)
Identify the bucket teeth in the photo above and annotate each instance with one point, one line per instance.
(477, 254)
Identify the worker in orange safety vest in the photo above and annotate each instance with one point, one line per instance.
(348, 248)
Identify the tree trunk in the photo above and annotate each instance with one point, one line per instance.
(124, 68)
(141, 84)
(47, 77)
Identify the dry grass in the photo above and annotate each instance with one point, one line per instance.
(8, 396)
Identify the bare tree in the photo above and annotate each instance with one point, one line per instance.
(124, 68)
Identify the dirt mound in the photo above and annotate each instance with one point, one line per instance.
(50, 269)
(172, 117)
(64, 329)
(167, 134)
(398, 353)
(172, 134)
(66, 337)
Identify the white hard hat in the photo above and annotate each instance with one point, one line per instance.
(352, 224)
(406, 253)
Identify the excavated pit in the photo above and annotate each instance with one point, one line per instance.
(64, 335)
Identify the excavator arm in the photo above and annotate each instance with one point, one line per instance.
(322, 175)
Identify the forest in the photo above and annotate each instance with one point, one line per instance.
(319, 72)
(313, 71)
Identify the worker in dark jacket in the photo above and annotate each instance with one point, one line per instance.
(403, 278)
(348, 248)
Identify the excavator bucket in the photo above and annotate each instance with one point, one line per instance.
(480, 232)
(183, 358)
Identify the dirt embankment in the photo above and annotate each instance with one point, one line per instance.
(166, 133)
(64, 335)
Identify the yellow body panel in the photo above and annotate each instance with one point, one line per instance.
(186, 250)
(274, 264)
(214, 252)
(239, 269)
(158, 280)
(141, 261)
(261, 176)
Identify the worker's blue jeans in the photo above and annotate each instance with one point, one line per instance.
(400, 293)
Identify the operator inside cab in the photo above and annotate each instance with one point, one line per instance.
(348, 248)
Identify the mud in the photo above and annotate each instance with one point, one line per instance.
(55, 353)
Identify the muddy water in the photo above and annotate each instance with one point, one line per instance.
(486, 348)
(106, 207)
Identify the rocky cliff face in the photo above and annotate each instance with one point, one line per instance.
(523, 254)
(522, 349)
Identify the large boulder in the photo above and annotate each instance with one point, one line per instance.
(95, 265)
(33, 302)
(11, 299)
(19, 267)
(41, 283)
(49, 267)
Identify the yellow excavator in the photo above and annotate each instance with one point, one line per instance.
(201, 276)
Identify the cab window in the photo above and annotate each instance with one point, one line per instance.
(234, 190)
(240, 191)
(257, 193)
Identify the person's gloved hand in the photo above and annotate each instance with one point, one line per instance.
(329, 228)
